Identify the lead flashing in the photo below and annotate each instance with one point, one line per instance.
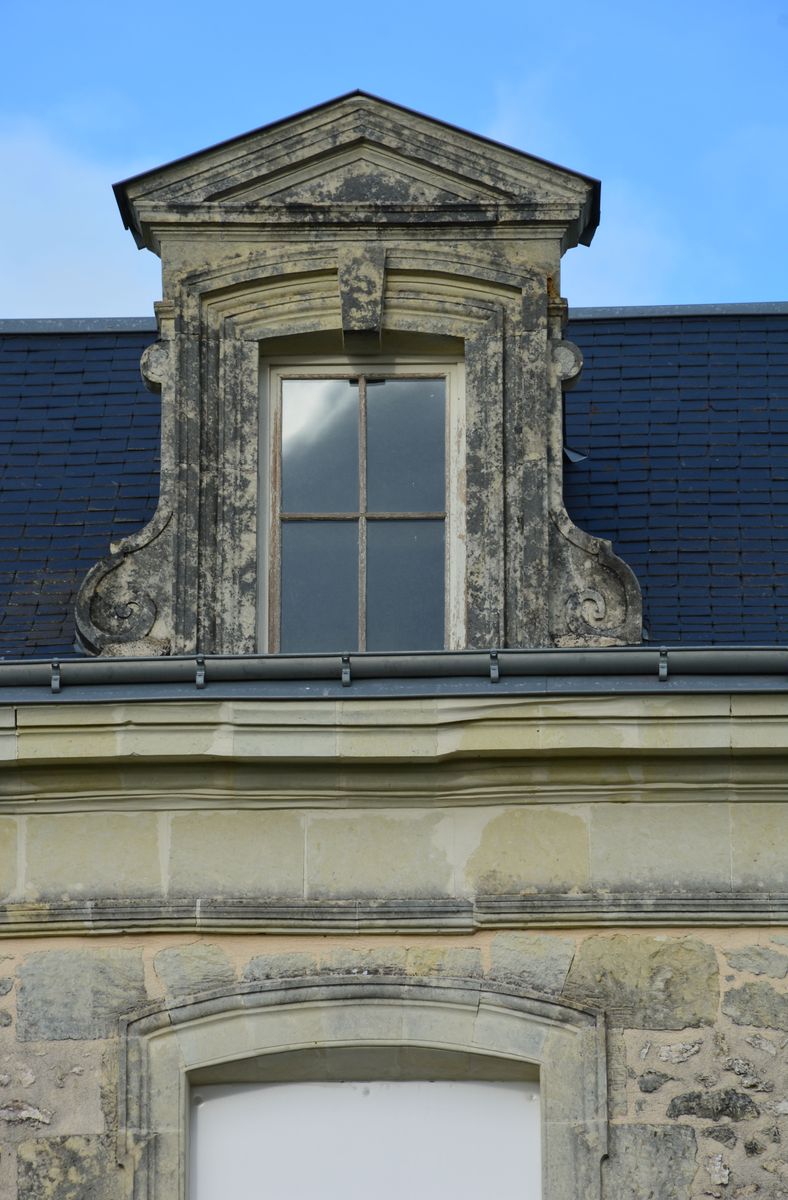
(17, 325)
(625, 312)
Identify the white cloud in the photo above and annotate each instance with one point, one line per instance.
(636, 257)
(63, 249)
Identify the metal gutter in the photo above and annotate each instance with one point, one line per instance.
(628, 670)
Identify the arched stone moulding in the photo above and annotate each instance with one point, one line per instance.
(164, 1049)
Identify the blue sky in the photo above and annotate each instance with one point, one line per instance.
(681, 109)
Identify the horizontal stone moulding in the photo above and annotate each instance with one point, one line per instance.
(424, 916)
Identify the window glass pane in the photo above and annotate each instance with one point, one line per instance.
(406, 445)
(319, 445)
(405, 588)
(354, 1140)
(319, 591)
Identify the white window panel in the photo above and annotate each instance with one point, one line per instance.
(448, 1139)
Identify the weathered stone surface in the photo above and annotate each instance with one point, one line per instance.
(717, 1169)
(185, 970)
(652, 1081)
(77, 994)
(722, 1133)
(238, 853)
(747, 1073)
(637, 847)
(460, 962)
(377, 854)
(647, 982)
(711, 1106)
(6, 984)
(650, 1162)
(758, 839)
(759, 1042)
(8, 840)
(757, 1004)
(759, 960)
(93, 854)
(69, 1168)
(536, 962)
(5, 1018)
(388, 960)
(19, 1112)
(280, 966)
(679, 1052)
(530, 848)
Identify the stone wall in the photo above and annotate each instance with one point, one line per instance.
(696, 1041)
(616, 857)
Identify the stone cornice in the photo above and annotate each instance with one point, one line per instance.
(390, 730)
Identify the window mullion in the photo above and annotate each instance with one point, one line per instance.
(362, 508)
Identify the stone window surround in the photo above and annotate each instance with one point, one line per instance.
(165, 1049)
(148, 597)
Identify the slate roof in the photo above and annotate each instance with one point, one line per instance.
(683, 414)
(79, 451)
(684, 418)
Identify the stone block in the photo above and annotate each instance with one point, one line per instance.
(188, 970)
(652, 1081)
(378, 855)
(526, 848)
(280, 966)
(92, 854)
(712, 1106)
(69, 1168)
(759, 960)
(650, 1162)
(663, 846)
(79, 994)
(759, 834)
(346, 960)
(537, 962)
(8, 837)
(647, 982)
(459, 962)
(244, 853)
(757, 1004)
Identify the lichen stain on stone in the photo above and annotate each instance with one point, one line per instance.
(758, 1004)
(648, 982)
(68, 1168)
(526, 849)
(711, 1106)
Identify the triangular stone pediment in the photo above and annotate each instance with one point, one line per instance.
(354, 151)
(361, 174)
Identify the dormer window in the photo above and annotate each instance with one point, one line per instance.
(365, 523)
(389, 503)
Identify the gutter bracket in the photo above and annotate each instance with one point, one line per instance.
(54, 678)
(663, 664)
(346, 680)
(199, 671)
(495, 670)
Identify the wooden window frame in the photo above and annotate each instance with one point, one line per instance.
(270, 516)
